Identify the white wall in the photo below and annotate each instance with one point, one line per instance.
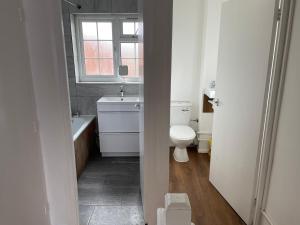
(209, 57)
(186, 52)
(23, 197)
(283, 202)
(47, 57)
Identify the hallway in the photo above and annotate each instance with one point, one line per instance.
(208, 206)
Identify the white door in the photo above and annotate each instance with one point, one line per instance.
(244, 48)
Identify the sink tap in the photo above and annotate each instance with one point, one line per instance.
(122, 91)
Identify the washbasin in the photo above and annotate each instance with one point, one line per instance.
(119, 99)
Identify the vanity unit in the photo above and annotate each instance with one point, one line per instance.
(118, 120)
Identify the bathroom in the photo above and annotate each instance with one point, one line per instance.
(106, 110)
(105, 107)
(105, 74)
(211, 105)
(193, 81)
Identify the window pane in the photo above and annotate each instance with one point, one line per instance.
(128, 28)
(91, 67)
(131, 66)
(106, 66)
(90, 49)
(105, 31)
(136, 27)
(139, 50)
(106, 49)
(137, 67)
(128, 50)
(89, 30)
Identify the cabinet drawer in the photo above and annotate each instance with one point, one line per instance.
(118, 107)
(119, 142)
(118, 121)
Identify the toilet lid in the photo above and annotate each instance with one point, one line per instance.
(182, 132)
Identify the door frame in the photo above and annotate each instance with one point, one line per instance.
(276, 76)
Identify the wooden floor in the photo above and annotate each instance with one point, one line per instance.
(208, 206)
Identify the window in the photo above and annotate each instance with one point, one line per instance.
(104, 43)
(97, 48)
(129, 28)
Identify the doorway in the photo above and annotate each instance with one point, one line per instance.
(238, 98)
(103, 60)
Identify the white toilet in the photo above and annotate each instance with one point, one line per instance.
(180, 133)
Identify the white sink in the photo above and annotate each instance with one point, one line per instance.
(115, 99)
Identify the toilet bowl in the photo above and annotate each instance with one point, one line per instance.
(181, 136)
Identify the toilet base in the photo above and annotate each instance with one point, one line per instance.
(180, 155)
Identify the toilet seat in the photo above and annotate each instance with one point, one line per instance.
(181, 132)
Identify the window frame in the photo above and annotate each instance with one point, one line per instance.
(118, 38)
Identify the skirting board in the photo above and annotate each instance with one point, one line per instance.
(265, 219)
(203, 146)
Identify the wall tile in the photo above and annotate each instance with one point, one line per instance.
(124, 6)
(71, 67)
(114, 89)
(68, 45)
(131, 89)
(103, 6)
(74, 104)
(87, 105)
(72, 87)
(85, 90)
(65, 7)
(67, 23)
(87, 4)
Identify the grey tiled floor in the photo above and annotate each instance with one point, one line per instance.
(109, 192)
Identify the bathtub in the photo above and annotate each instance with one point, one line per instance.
(83, 130)
(79, 124)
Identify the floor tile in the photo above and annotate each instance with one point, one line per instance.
(109, 192)
(132, 199)
(117, 215)
(85, 213)
(121, 180)
(95, 197)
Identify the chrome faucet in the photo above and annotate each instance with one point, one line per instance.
(122, 91)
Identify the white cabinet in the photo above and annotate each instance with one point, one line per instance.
(119, 143)
(118, 121)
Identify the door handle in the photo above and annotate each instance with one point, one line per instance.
(215, 102)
